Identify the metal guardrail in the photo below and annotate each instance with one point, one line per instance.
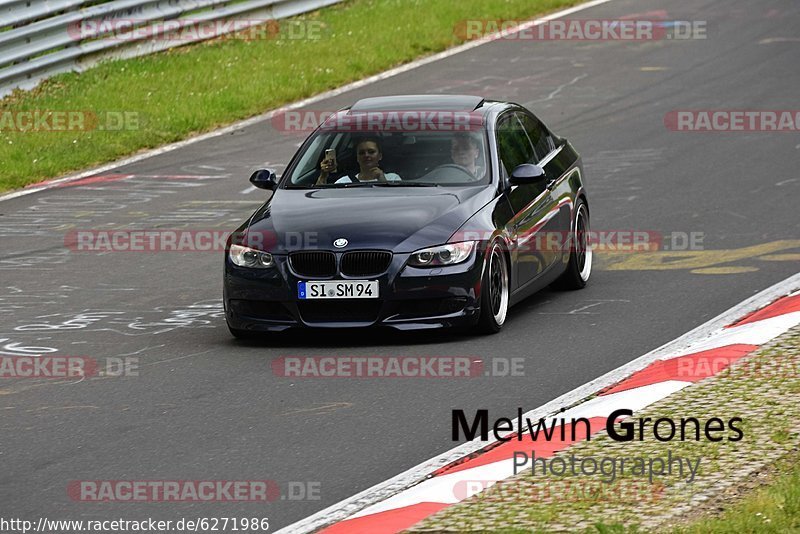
(39, 38)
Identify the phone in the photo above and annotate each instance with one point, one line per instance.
(330, 155)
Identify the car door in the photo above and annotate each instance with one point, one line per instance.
(560, 191)
(532, 205)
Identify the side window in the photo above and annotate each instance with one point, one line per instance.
(540, 138)
(513, 144)
(308, 162)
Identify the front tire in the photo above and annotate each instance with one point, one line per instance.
(494, 291)
(579, 266)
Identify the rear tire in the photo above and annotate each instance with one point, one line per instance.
(494, 291)
(579, 266)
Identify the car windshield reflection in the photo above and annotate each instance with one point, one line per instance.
(397, 159)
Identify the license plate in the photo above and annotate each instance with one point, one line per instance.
(338, 289)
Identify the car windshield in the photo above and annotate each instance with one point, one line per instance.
(335, 159)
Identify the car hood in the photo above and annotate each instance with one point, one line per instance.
(402, 219)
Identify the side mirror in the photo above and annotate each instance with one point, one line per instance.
(264, 179)
(527, 174)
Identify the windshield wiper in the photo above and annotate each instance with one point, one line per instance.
(329, 186)
(364, 184)
(404, 184)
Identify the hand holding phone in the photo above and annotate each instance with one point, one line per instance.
(329, 162)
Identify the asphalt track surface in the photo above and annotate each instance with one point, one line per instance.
(207, 407)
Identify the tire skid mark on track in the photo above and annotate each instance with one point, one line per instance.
(199, 314)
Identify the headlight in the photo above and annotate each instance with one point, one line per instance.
(248, 257)
(443, 255)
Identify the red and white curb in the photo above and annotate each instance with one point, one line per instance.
(412, 496)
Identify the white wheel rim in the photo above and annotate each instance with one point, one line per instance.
(583, 249)
(498, 285)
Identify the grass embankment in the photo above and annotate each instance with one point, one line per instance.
(196, 88)
(774, 507)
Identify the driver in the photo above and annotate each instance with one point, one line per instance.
(464, 151)
(369, 155)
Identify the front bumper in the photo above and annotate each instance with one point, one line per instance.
(409, 298)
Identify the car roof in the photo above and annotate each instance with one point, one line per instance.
(418, 103)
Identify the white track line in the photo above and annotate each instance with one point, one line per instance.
(695, 338)
(302, 103)
(756, 333)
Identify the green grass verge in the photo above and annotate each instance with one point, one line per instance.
(773, 508)
(200, 87)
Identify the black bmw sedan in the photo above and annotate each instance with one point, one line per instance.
(411, 212)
